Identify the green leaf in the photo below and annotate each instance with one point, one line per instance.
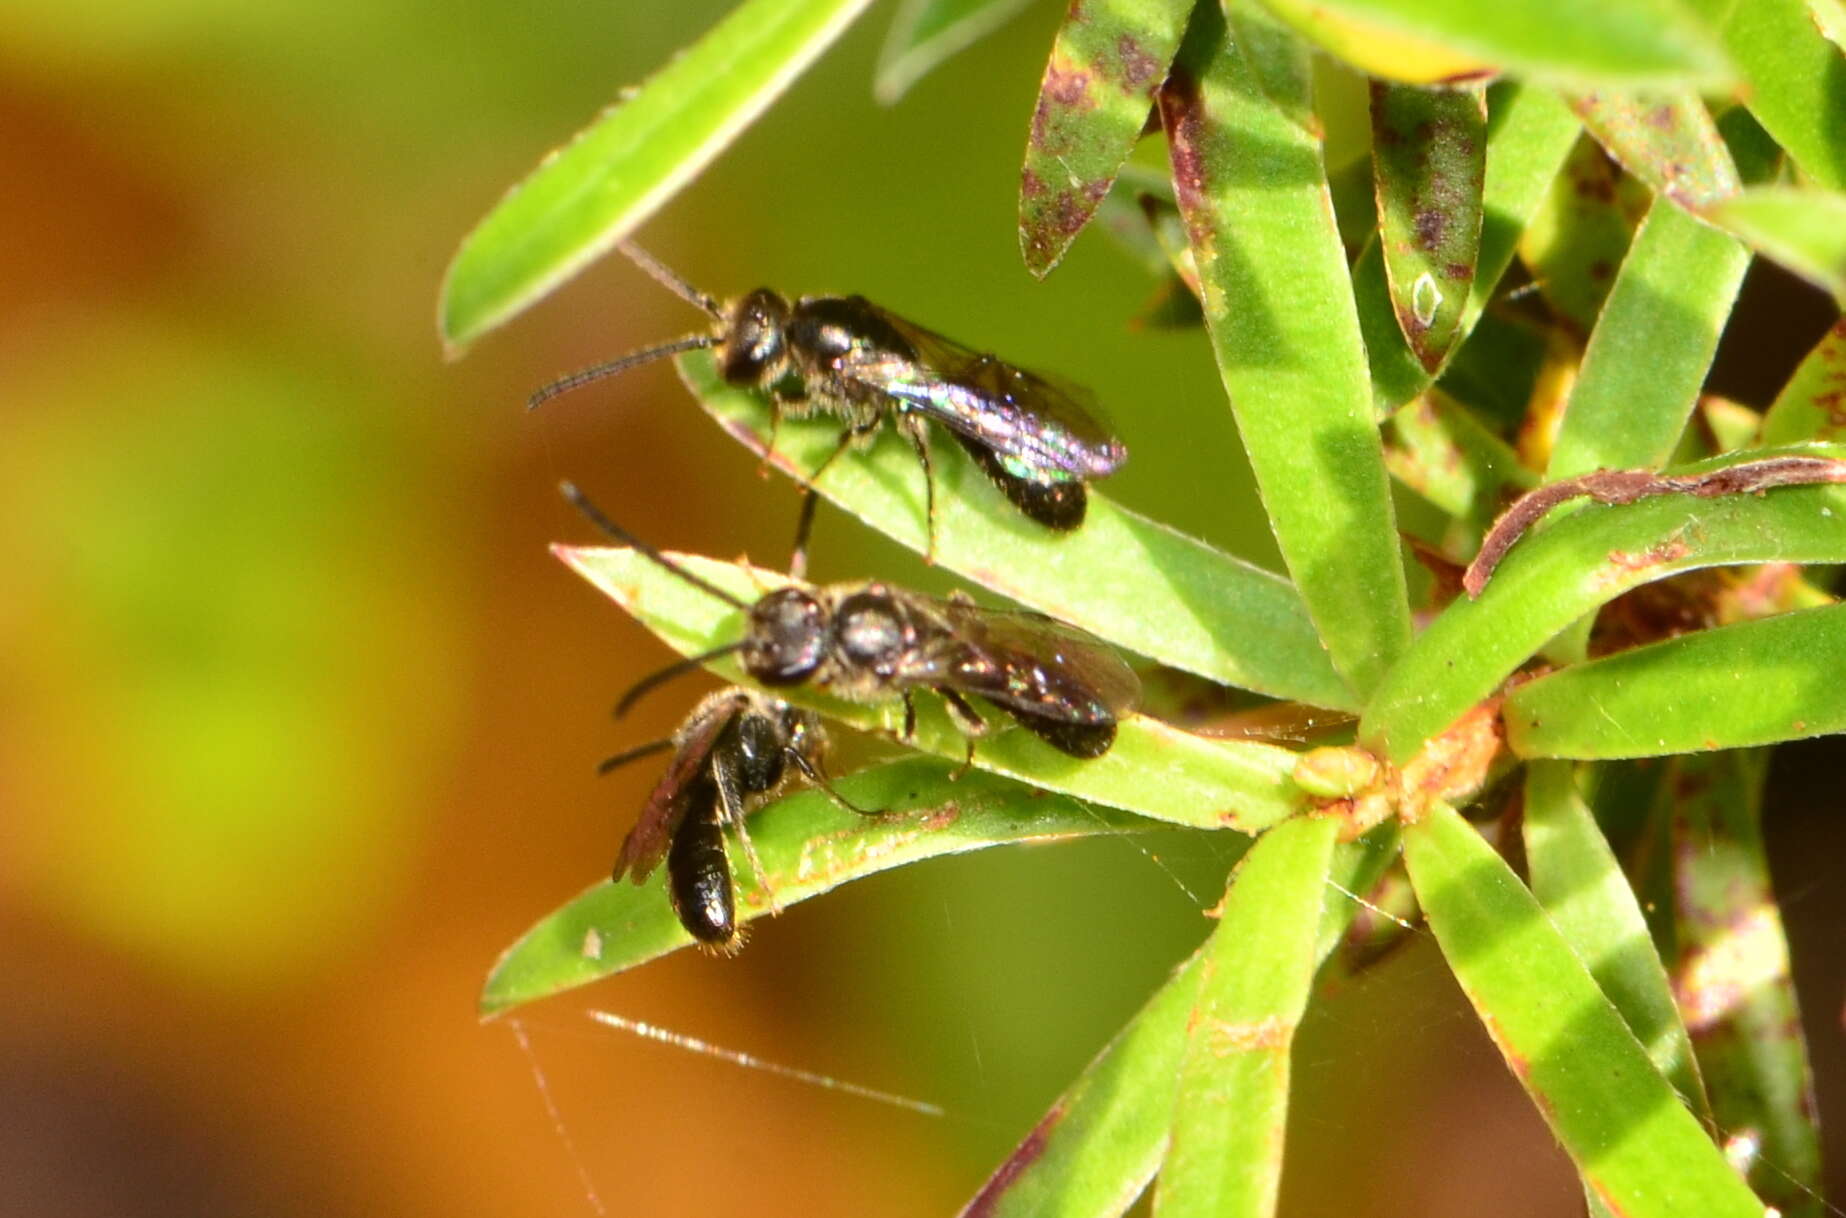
(589, 194)
(1169, 597)
(1731, 687)
(1667, 141)
(1438, 449)
(1570, 567)
(926, 32)
(1577, 879)
(1733, 979)
(1154, 769)
(1804, 230)
(1582, 43)
(808, 845)
(1812, 406)
(1579, 236)
(1633, 1141)
(1231, 1110)
(1652, 345)
(1529, 133)
(1794, 79)
(1429, 154)
(1830, 19)
(1247, 171)
(1106, 64)
(1099, 1145)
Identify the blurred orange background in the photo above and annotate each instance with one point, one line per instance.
(300, 718)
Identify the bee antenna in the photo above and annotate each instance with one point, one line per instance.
(664, 276)
(677, 668)
(635, 754)
(607, 526)
(622, 363)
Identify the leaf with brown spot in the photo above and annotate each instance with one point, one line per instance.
(1581, 232)
(1429, 160)
(1106, 64)
(1666, 140)
(1812, 406)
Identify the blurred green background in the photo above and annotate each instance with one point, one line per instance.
(300, 719)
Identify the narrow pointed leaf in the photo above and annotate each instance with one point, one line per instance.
(1248, 174)
(1812, 406)
(1652, 345)
(1579, 236)
(1635, 1144)
(1734, 982)
(1666, 140)
(1794, 79)
(1231, 1111)
(1735, 686)
(926, 32)
(1576, 877)
(1584, 43)
(808, 845)
(1429, 154)
(1169, 597)
(1099, 1145)
(592, 192)
(1570, 567)
(1529, 133)
(1804, 230)
(1106, 64)
(1154, 769)
(1443, 453)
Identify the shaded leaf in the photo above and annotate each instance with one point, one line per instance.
(1577, 879)
(808, 845)
(1429, 152)
(1734, 686)
(1248, 175)
(1231, 1109)
(1439, 450)
(1529, 132)
(1106, 64)
(1153, 768)
(1794, 79)
(1632, 1140)
(1804, 230)
(1733, 979)
(1585, 43)
(1666, 140)
(1575, 564)
(592, 192)
(1169, 597)
(1581, 233)
(1812, 406)
(926, 32)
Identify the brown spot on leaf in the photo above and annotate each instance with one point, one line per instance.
(1431, 224)
(1031, 186)
(1066, 84)
(1140, 70)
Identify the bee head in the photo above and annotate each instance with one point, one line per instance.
(752, 351)
(786, 638)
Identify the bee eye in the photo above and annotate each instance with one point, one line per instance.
(754, 342)
(786, 638)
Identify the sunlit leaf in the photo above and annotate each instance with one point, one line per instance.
(1231, 1109)
(1098, 89)
(1804, 230)
(1635, 1144)
(1812, 406)
(589, 194)
(1568, 568)
(1169, 597)
(1830, 19)
(926, 32)
(1248, 174)
(1579, 236)
(1154, 769)
(1584, 43)
(808, 845)
(1429, 151)
(1439, 450)
(1666, 140)
(1793, 79)
(1730, 687)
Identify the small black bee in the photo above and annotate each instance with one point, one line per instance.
(845, 356)
(868, 642)
(730, 756)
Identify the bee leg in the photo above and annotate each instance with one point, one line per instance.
(910, 719)
(917, 432)
(804, 525)
(732, 806)
(817, 775)
(968, 720)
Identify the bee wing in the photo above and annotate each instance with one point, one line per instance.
(1027, 662)
(1036, 424)
(647, 843)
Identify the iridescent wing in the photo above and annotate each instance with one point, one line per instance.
(686, 776)
(1039, 428)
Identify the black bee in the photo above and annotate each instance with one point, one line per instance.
(869, 642)
(730, 756)
(845, 356)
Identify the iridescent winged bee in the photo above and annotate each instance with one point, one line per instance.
(845, 356)
(872, 642)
